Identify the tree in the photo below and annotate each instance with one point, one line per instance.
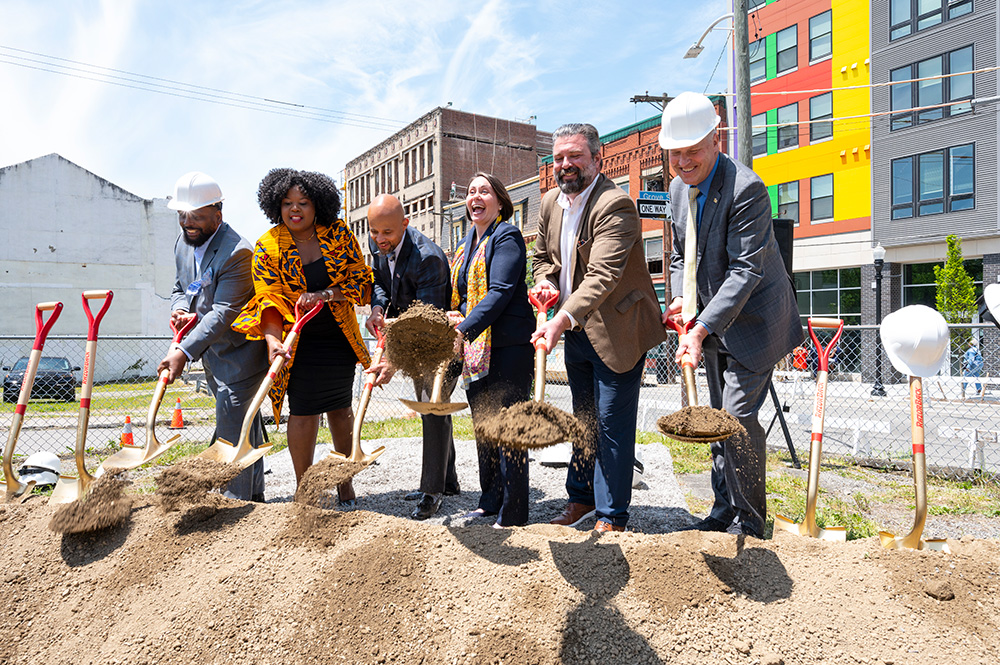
(956, 292)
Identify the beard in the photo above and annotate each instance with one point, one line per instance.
(196, 241)
(578, 184)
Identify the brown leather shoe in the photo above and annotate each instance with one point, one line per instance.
(605, 527)
(574, 513)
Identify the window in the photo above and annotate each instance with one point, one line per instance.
(934, 182)
(821, 198)
(834, 293)
(821, 36)
(654, 256)
(754, 4)
(939, 89)
(786, 42)
(820, 108)
(759, 134)
(788, 134)
(788, 201)
(758, 60)
(909, 16)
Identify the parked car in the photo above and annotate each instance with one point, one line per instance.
(53, 380)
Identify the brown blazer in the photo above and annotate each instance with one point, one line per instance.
(613, 297)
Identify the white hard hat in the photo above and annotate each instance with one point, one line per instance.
(558, 455)
(991, 294)
(687, 119)
(637, 469)
(42, 467)
(194, 190)
(916, 340)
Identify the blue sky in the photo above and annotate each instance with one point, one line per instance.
(371, 65)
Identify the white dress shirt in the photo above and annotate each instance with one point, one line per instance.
(572, 215)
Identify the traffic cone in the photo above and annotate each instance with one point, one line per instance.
(177, 422)
(127, 433)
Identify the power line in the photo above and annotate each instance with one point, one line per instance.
(194, 92)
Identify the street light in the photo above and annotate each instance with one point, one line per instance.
(879, 254)
(695, 50)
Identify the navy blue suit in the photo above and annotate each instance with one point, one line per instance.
(422, 275)
(503, 472)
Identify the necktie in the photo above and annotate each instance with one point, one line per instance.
(392, 263)
(690, 292)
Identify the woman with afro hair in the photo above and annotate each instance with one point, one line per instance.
(309, 256)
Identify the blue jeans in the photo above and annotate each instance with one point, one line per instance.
(608, 404)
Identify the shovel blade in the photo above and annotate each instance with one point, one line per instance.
(245, 460)
(909, 542)
(135, 456)
(67, 490)
(833, 534)
(221, 451)
(434, 408)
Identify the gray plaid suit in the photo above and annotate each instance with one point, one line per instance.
(747, 300)
(234, 366)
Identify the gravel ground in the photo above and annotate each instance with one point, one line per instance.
(658, 504)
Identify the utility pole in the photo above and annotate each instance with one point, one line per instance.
(741, 38)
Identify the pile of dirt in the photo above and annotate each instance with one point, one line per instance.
(529, 425)
(188, 482)
(420, 340)
(282, 583)
(698, 422)
(103, 506)
(322, 478)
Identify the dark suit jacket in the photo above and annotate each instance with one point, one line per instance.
(421, 274)
(744, 292)
(227, 354)
(505, 309)
(613, 297)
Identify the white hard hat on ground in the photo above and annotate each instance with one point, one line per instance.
(991, 294)
(41, 467)
(556, 456)
(638, 468)
(916, 340)
(194, 190)
(687, 119)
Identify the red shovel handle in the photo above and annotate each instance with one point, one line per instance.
(190, 323)
(301, 319)
(42, 328)
(823, 353)
(543, 305)
(683, 329)
(95, 321)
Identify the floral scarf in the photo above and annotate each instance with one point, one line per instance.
(476, 353)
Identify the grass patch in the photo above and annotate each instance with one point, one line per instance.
(786, 494)
(687, 457)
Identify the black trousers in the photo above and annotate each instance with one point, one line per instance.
(437, 473)
(503, 472)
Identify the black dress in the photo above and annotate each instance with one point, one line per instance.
(322, 373)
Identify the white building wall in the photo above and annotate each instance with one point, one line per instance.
(64, 230)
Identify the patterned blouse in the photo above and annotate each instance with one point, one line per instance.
(278, 282)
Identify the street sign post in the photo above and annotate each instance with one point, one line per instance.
(653, 205)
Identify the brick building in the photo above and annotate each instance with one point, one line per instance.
(419, 163)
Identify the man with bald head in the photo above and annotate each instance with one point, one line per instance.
(409, 268)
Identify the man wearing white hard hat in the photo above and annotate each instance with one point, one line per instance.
(727, 275)
(213, 283)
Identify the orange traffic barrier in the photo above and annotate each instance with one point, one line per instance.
(127, 439)
(177, 422)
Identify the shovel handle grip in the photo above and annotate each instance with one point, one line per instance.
(190, 323)
(545, 303)
(42, 327)
(823, 352)
(302, 318)
(95, 321)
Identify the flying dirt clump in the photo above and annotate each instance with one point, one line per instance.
(420, 340)
(189, 481)
(103, 506)
(529, 425)
(324, 476)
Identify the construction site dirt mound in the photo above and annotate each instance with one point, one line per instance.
(287, 583)
(420, 340)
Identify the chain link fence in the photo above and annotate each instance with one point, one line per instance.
(961, 425)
